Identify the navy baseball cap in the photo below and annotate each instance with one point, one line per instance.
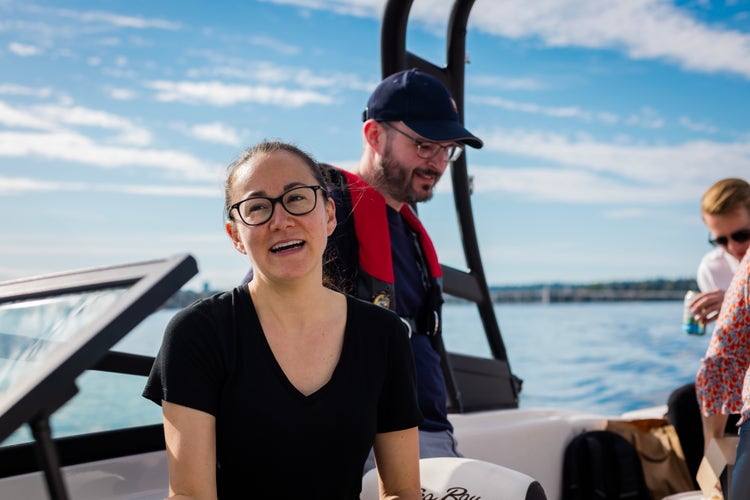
(422, 103)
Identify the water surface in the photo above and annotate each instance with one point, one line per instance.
(605, 358)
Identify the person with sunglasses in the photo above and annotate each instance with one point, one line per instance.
(725, 209)
(279, 388)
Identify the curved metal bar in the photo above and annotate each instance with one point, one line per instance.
(471, 285)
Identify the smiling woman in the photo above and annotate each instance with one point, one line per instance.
(284, 373)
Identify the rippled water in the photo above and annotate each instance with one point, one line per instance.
(604, 358)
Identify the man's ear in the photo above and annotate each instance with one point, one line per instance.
(374, 135)
(229, 227)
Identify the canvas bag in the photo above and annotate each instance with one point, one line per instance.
(659, 449)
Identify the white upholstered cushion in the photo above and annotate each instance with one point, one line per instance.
(463, 477)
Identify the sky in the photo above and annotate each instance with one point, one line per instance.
(603, 123)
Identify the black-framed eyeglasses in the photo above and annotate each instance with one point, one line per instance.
(428, 150)
(741, 236)
(258, 210)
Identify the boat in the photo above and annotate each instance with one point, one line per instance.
(55, 328)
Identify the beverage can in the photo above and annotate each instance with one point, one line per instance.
(690, 325)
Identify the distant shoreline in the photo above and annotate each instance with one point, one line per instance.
(650, 290)
(616, 291)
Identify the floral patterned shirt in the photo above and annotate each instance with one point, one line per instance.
(723, 380)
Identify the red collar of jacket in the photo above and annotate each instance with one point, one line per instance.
(371, 227)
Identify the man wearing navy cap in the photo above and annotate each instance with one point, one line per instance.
(411, 133)
(418, 108)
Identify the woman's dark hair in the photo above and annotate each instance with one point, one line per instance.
(267, 147)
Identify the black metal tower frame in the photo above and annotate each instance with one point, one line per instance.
(470, 284)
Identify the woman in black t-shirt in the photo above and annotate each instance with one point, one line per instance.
(278, 388)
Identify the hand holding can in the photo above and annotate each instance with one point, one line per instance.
(690, 324)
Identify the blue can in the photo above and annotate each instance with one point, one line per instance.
(690, 325)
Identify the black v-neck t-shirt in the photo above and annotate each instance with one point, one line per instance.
(272, 440)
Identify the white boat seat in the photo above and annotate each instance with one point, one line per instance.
(449, 477)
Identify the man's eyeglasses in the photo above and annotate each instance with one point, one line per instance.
(258, 210)
(428, 150)
(741, 236)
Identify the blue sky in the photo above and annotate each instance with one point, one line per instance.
(603, 124)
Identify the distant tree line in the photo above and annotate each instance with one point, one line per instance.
(678, 285)
(656, 289)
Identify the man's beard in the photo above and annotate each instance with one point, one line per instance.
(396, 179)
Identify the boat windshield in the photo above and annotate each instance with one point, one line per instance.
(35, 333)
(57, 333)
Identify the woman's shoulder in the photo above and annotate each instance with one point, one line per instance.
(216, 306)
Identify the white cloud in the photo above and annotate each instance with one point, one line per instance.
(215, 132)
(217, 93)
(79, 116)
(508, 83)
(117, 20)
(641, 29)
(159, 190)
(272, 74)
(22, 185)
(110, 41)
(556, 112)
(61, 117)
(275, 45)
(120, 94)
(585, 170)
(569, 185)
(358, 8)
(73, 147)
(133, 136)
(23, 50)
(646, 118)
(628, 213)
(12, 89)
(703, 127)
(21, 118)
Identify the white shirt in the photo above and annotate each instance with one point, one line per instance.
(716, 270)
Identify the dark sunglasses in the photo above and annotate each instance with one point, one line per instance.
(741, 236)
